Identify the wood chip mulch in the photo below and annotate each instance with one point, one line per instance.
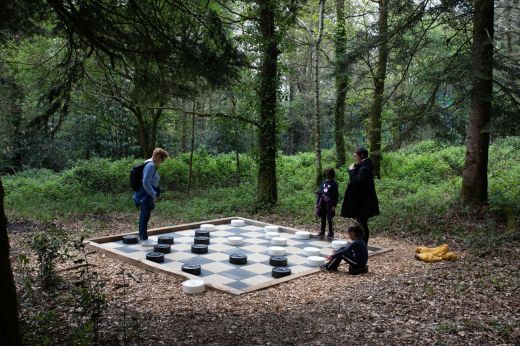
(400, 301)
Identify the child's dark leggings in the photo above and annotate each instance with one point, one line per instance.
(325, 217)
(334, 264)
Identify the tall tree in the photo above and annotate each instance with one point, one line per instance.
(379, 88)
(317, 116)
(474, 177)
(340, 38)
(9, 328)
(267, 192)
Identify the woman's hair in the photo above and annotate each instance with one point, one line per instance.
(362, 152)
(329, 173)
(160, 153)
(357, 230)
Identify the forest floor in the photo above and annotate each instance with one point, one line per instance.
(400, 301)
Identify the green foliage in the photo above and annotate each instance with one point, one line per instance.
(49, 246)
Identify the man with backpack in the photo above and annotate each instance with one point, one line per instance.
(146, 193)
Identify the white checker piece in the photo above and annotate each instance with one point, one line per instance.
(215, 265)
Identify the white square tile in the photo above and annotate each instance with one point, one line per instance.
(220, 247)
(255, 248)
(217, 240)
(217, 279)
(326, 251)
(256, 280)
(253, 234)
(187, 233)
(257, 257)
(257, 241)
(258, 268)
(217, 256)
(293, 250)
(293, 242)
(222, 227)
(181, 247)
(178, 256)
(221, 234)
(299, 269)
(175, 266)
(217, 267)
(296, 259)
(251, 228)
(184, 240)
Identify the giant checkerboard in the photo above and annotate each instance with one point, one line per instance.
(216, 271)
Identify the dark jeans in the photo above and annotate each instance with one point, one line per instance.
(364, 222)
(325, 217)
(147, 205)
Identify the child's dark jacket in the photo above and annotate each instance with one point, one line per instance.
(356, 251)
(328, 195)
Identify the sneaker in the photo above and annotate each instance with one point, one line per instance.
(330, 237)
(324, 268)
(320, 235)
(357, 270)
(147, 242)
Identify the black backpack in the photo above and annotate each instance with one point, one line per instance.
(136, 176)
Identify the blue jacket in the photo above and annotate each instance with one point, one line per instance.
(150, 182)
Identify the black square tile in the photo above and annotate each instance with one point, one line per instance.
(237, 285)
(237, 250)
(237, 274)
(196, 260)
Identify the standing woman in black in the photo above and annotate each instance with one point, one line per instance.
(360, 201)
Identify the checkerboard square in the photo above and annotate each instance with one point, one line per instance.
(292, 250)
(296, 259)
(257, 257)
(237, 273)
(237, 285)
(258, 268)
(216, 256)
(217, 240)
(196, 260)
(299, 269)
(237, 250)
(217, 267)
(256, 280)
(222, 228)
(174, 265)
(217, 279)
(184, 240)
(251, 228)
(292, 242)
(181, 247)
(221, 234)
(257, 241)
(127, 249)
(187, 233)
(326, 251)
(253, 234)
(221, 247)
(256, 248)
(179, 256)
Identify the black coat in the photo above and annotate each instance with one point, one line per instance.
(360, 199)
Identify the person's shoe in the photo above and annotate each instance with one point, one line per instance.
(147, 243)
(320, 235)
(330, 236)
(324, 268)
(357, 270)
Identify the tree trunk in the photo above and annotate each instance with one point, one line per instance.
(474, 177)
(317, 116)
(9, 328)
(379, 88)
(341, 83)
(267, 193)
(192, 148)
(235, 129)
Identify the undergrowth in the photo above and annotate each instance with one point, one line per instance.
(418, 191)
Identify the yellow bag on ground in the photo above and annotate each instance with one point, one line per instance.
(435, 254)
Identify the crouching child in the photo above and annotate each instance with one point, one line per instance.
(355, 253)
